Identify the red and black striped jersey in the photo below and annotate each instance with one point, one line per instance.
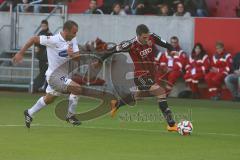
(142, 55)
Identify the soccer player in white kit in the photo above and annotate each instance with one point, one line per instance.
(60, 48)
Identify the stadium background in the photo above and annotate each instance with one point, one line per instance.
(135, 133)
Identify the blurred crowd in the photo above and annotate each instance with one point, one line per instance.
(153, 7)
(195, 8)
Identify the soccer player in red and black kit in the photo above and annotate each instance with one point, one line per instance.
(142, 50)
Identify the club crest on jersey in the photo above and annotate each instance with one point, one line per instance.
(145, 52)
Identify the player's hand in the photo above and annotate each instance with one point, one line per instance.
(70, 51)
(17, 58)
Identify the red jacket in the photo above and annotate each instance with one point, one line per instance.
(198, 65)
(174, 63)
(222, 62)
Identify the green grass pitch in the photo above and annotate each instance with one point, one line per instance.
(216, 134)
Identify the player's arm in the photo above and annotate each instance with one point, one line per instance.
(19, 56)
(122, 47)
(159, 41)
(73, 50)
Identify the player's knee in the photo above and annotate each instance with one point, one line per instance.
(74, 88)
(158, 91)
(48, 99)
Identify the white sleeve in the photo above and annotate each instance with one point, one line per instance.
(47, 40)
(75, 45)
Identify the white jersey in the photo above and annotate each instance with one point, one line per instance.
(57, 51)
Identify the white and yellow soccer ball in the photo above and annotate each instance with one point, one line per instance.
(185, 128)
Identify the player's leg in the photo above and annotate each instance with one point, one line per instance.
(160, 93)
(40, 104)
(75, 90)
(141, 84)
(116, 104)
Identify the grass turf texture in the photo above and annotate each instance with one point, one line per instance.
(216, 134)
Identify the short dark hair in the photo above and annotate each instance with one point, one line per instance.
(174, 38)
(69, 24)
(142, 28)
(219, 44)
(44, 22)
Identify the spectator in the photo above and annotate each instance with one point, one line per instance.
(117, 10)
(108, 4)
(232, 81)
(146, 7)
(196, 68)
(36, 7)
(180, 11)
(41, 55)
(93, 8)
(25, 6)
(171, 5)
(171, 64)
(221, 62)
(197, 7)
(164, 10)
(130, 6)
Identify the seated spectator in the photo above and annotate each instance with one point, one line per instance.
(129, 6)
(25, 6)
(108, 4)
(232, 81)
(171, 5)
(93, 8)
(146, 7)
(197, 7)
(221, 63)
(171, 64)
(198, 65)
(164, 10)
(180, 11)
(36, 7)
(117, 10)
(28, 5)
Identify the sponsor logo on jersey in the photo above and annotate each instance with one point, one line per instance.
(63, 53)
(145, 52)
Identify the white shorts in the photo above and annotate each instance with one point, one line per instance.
(57, 85)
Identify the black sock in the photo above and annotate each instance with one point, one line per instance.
(166, 112)
(120, 103)
(127, 100)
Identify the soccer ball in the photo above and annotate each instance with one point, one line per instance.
(185, 128)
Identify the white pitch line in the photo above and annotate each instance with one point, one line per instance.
(118, 129)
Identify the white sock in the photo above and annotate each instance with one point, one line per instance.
(73, 101)
(37, 106)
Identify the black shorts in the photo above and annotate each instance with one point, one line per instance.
(144, 83)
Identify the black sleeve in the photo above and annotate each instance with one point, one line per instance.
(122, 47)
(159, 41)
